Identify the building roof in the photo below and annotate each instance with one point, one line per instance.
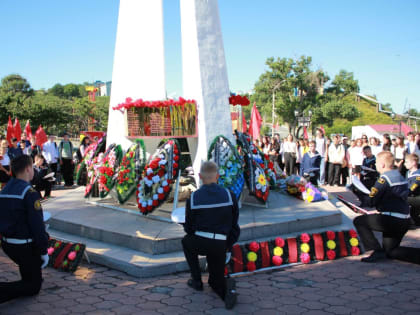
(392, 128)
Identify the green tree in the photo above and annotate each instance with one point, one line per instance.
(71, 90)
(57, 90)
(344, 83)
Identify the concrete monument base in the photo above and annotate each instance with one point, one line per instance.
(144, 246)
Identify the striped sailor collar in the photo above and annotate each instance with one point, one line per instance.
(394, 178)
(18, 183)
(413, 174)
(228, 202)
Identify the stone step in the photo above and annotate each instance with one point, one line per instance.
(123, 226)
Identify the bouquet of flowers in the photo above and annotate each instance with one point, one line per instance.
(130, 166)
(157, 178)
(296, 185)
(93, 166)
(225, 155)
(107, 171)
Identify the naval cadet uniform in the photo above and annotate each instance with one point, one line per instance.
(389, 195)
(369, 175)
(211, 224)
(413, 199)
(23, 237)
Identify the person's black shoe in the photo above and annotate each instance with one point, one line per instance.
(231, 296)
(196, 285)
(374, 257)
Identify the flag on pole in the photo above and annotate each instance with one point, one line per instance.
(18, 130)
(10, 132)
(305, 133)
(255, 123)
(28, 130)
(41, 136)
(244, 126)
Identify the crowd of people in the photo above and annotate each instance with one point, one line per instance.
(51, 161)
(333, 161)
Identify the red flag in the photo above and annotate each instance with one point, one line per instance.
(41, 136)
(244, 127)
(255, 123)
(28, 130)
(10, 132)
(18, 130)
(305, 133)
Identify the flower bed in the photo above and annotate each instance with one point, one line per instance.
(225, 155)
(157, 178)
(130, 167)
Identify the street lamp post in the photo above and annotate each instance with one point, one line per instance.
(302, 120)
(274, 102)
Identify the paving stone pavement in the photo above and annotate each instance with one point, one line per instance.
(344, 286)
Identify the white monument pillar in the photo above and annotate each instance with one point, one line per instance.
(204, 72)
(139, 61)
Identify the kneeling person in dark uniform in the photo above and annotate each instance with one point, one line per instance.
(211, 224)
(413, 177)
(22, 228)
(389, 195)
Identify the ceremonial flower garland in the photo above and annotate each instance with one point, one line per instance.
(93, 166)
(238, 100)
(107, 170)
(157, 177)
(301, 249)
(128, 171)
(65, 256)
(225, 155)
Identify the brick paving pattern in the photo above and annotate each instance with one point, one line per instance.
(344, 286)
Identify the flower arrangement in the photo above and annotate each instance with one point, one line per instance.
(238, 100)
(304, 248)
(93, 166)
(91, 151)
(107, 172)
(157, 177)
(254, 174)
(312, 194)
(296, 185)
(225, 155)
(130, 166)
(129, 103)
(65, 256)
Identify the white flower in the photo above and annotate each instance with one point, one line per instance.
(160, 190)
(258, 186)
(263, 189)
(150, 202)
(155, 179)
(252, 147)
(144, 204)
(149, 183)
(149, 171)
(155, 197)
(162, 162)
(164, 183)
(229, 164)
(167, 146)
(221, 172)
(166, 176)
(161, 156)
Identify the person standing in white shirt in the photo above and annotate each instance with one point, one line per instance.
(411, 145)
(50, 153)
(321, 147)
(290, 155)
(336, 156)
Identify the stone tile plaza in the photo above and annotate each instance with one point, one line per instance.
(301, 218)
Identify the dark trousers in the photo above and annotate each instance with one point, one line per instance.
(67, 170)
(344, 174)
(215, 252)
(28, 258)
(44, 185)
(334, 174)
(393, 230)
(289, 163)
(414, 203)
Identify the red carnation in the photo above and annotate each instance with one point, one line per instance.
(226, 271)
(155, 203)
(149, 208)
(162, 166)
(131, 154)
(305, 238)
(262, 165)
(331, 254)
(150, 176)
(330, 235)
(174, 173)
(254, 151)
(258, 194)
(161, 173)
(175, 165)
(251, 266)
(279, 242)
(176, 151)
(161, 196)
(254, 246)
(355, 251)
(176, 158)
(352, 233)
(166, 188)
(277, 260)
(270, 165)
(154, 164)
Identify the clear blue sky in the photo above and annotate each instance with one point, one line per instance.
(73, 41)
